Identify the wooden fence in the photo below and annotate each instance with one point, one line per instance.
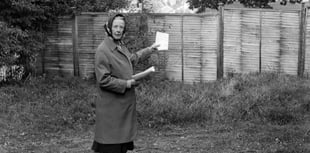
(202, 47)
(261, 40)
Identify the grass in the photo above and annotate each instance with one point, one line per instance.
(273, 105)
(267, 97)
(50, 105)
(57, 103)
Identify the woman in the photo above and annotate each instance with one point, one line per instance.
(116, 120)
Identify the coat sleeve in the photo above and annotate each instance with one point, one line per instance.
(104, 76)
(140, 55)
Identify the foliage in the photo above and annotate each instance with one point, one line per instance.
(27, 20)
(18, 50)
(266, 112)
(214, 4)
(265, 97)
(16, 45)
(99, 5)
(51, 104)
(136, 37)
(36, 13)
(55, 104)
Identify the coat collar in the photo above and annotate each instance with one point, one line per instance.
(114, 47)
(110, 43)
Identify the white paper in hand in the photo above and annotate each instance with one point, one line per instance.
(143, 74)
(163, 40)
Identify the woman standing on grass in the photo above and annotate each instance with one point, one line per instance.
(116, 120)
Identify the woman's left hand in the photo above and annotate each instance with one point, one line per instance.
(154, 46)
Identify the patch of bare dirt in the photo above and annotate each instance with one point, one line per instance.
(239, 138)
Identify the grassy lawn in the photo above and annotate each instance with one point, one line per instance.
(255, 113)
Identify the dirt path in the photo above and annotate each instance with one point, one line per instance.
(241, 138)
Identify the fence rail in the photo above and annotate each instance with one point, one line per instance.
(201, 47)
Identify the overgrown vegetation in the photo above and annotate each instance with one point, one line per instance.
(268, 97)
(201, 6)
(62, 104)
(267, 112)
(51, 104)
(18, 48)
(23, 24)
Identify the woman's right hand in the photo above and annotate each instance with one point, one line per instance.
(154, 46)
(131, 82)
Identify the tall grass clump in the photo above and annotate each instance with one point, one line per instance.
(265, 97)
(49, 104)
(56, 104)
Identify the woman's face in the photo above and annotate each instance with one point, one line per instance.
(118, 27)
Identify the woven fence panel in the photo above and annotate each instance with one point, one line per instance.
(192, 43)
(209, 46)
(289, 42)
(58, 54)
(200, 35)
(250, 26)
(90, 35)
(156, 22)
(271, 36)
(173, 56)
(232, 41)
(241, 41)
(249, 33)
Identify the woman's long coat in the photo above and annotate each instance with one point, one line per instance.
(116, 119)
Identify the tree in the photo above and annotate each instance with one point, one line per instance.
(23, 23)
(99, 5)
(18, 48)
(201, 5)
(31, 14)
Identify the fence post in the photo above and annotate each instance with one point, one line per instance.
(42, 51)
(260, 40)
(301, 52)
(220, 53)
(76, 69)
(182, 46)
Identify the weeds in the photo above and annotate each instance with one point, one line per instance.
(49, 104)
(266, 97)
(54, 104)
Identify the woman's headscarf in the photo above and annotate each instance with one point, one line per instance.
(108, 25)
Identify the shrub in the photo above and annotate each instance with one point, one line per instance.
(18, 50)
(27, 21)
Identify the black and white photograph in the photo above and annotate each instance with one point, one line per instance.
(154, 76)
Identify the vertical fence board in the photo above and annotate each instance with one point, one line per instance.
(209, 47)
(302, 33)
(249, 41)
(171, 57)
(220, 53)
(58, 54)
(75, 54)
(270, 40)
(174, 54)
(307, 47)
(232, 41)
(289, 42)
(90, 34)
(192, 50)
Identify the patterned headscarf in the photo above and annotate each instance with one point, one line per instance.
(108, 25)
